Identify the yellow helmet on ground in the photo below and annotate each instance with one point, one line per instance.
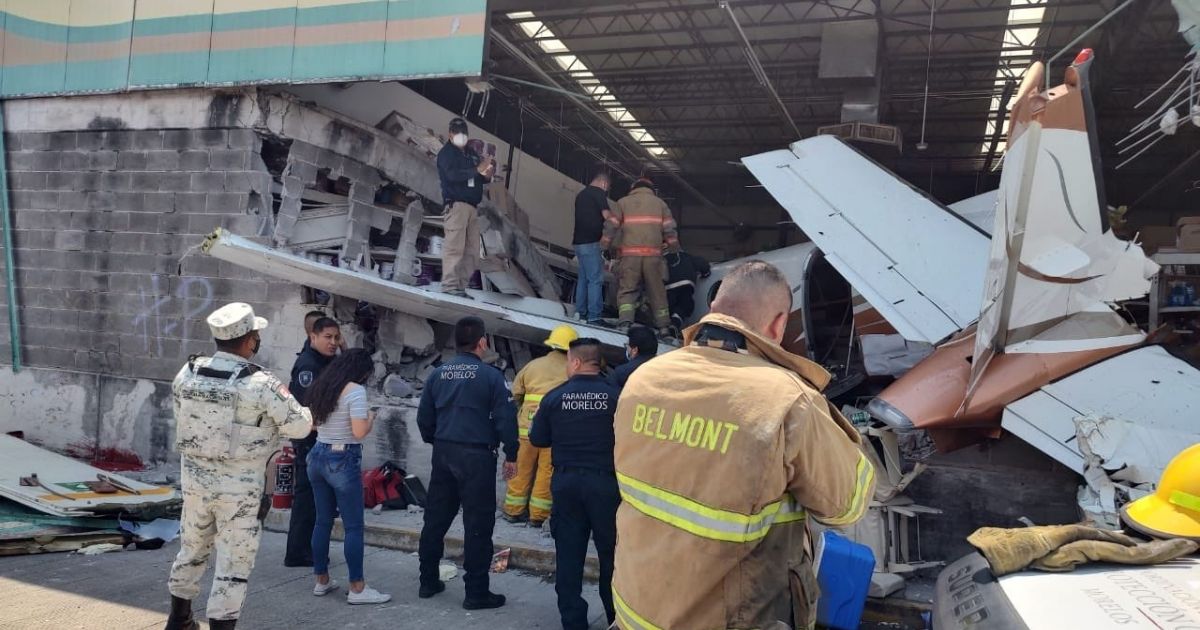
(1173, 511)
(560, 338)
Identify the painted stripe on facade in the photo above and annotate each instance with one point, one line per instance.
(70, 46)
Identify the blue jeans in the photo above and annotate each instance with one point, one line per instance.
(589, 288)
(336, 478)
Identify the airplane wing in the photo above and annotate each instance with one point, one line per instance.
(920, 265)
(505, 315)
(1137, 409)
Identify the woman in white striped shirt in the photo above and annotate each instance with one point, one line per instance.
(338, 402)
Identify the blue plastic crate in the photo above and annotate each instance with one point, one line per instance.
(844, 570)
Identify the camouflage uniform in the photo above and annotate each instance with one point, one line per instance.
(231, 416)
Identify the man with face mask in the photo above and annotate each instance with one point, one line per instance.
(463, 174)
(230, 415)
(642, 347)
(724, 448)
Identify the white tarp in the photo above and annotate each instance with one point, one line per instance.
(918, 264)
(66, 476)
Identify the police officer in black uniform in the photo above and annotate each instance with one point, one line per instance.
(466, 412)
(576, 420)
(320, 348)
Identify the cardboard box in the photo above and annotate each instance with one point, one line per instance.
(1188, 239)
(1155, 237)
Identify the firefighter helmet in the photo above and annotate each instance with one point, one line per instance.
(561, 337)
(1173, 511)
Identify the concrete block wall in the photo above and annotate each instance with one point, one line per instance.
(110, 307)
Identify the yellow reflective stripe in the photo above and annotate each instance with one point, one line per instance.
(625, 307)
(865, 476)
(522, 432)
(533, 398)
(704, 521)
(512, 499)
(1185, 500)
(541, 503)
(630, 620)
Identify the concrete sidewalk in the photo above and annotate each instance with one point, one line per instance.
(532, 548)
(127, 590)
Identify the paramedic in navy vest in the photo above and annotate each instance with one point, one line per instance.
(575, 421)
(324, 340)
(466, 412)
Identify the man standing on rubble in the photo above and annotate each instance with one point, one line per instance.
(723, 448)
(592, 213)
(466, 413)
(324, 341)
(533, 382)
(646, 226)
(230, 415)
(463, 175)
(576, 419)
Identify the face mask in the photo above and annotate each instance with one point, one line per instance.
(459, 140)
(257, 345)
(628, 354)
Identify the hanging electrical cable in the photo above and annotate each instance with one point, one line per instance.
(921, 146)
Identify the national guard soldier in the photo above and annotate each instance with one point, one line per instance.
(576, 420)
(230, 416)
(724, 448)
(466, 413)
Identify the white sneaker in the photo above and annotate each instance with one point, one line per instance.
(325, 589)
(367, 596)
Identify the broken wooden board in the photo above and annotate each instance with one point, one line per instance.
(66, 477)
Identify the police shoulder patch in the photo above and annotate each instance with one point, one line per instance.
(282, 392)
(305, 378)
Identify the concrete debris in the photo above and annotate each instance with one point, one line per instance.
(400, 331)
(395, 385)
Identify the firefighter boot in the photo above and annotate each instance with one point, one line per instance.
(181, 615)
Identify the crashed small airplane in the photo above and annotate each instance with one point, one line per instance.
(1007, 320)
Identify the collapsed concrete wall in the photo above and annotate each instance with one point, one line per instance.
(108, 195)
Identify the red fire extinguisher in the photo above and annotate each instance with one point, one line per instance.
(285, 479)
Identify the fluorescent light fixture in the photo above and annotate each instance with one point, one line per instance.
(540, 33)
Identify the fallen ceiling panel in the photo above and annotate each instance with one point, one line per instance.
(63, 491)
(1146, 400)
(920, 265)
(505, 315)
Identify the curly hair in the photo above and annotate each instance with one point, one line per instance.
(352, 366)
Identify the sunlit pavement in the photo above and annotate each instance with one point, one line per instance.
(127, 590)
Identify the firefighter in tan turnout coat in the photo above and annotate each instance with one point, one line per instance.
(723, 449)
(644, 224)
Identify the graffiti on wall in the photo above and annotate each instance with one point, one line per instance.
(164, 314)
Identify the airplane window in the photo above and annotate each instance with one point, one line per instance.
(712, 292)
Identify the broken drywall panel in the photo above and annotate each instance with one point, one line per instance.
(1149, 401)
(59, 487)
(509, 316)
(918, 264)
